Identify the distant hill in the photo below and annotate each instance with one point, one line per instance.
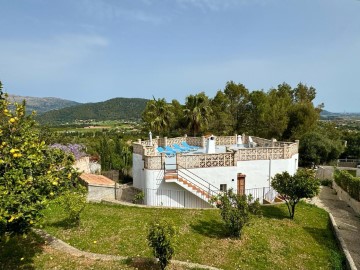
(41, 105)
(326, 115)
(325, 112)
(113, 109)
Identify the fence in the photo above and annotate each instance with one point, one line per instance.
(266, 193)
(173, 198)
(185, 199)
(351, 163)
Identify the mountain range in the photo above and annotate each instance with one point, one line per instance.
(56, 111)
(112, 109)
(41, 105)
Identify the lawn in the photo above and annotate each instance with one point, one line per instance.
(32, 253)
(270, 242)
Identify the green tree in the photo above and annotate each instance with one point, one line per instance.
(304, 94)
(158, 116)
(352, 149)
(236, 210)
(179, 123)
(197, 112)
(313, 149)
(104, 150)
(294, 188)
(122, 159)
(220, 122)
(277, 117)
(31, 173)
(317, 148)
(160, 239)
(238, 97)
(303, 117)
(257, 110)
(115, 154)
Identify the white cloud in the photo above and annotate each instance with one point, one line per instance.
(106, 10)
(213, 5)
(46, 59)
(218, 5)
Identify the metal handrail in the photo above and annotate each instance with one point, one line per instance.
(197, 176)
(204, 187)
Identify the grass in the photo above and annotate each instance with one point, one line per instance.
(32, 253)
(270, 242)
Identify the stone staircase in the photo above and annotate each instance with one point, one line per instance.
(173, 176)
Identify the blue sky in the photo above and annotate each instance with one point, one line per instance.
(94, 50)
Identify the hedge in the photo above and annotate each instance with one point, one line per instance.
(348, 183)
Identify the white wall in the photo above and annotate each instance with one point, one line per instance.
(159, 192)
(137, 171)
(218, 175)
(256, 171)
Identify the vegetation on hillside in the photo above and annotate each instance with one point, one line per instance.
(113, 109)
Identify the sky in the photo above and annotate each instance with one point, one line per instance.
(94, 50)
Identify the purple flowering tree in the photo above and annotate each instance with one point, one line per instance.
(78, 150)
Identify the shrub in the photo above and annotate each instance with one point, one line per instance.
(160, 239)
(73, 204)
(348, 183)
(235, 210)
(326, 182)
(139, 197)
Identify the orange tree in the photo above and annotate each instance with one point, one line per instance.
(31, 173)
(293, 188)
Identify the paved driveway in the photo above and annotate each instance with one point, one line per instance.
(347, 220)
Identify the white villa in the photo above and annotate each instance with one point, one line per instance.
(243, 163)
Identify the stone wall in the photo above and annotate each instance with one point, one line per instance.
(126, 193)
(96, 193)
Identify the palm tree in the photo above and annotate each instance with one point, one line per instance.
(158, 115)
(197, 112)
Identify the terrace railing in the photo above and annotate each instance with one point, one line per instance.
(206, 160)
(153, 160)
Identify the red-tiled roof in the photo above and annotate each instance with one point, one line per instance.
(95, 179)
